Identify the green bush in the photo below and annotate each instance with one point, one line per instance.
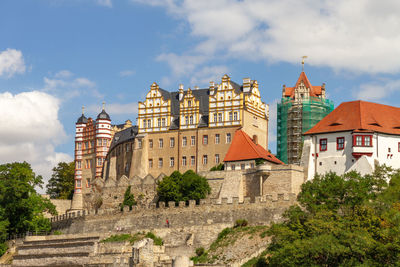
(57, 232)
(219, 167)
(240, 223)
(157, 240)
(200, 251)
(129, 199)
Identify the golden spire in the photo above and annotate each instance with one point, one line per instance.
(104, 105)
(83, 110)
(302, 62)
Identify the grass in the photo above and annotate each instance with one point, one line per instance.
(256, 261)
(134, 238)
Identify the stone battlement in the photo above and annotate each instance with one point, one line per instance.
(267, 201)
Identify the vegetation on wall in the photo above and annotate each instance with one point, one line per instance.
(129, 199)
(219, 167)
(61, 183)
(21, 207)
(348, 220)
(134, 238)
(183, 187)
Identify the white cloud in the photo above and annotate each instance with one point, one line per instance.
(11, 63)
(65, 85)
(106, 3)
(357, 36)
(127, 73)
(378, 89)
(115, 109)
(30, 130)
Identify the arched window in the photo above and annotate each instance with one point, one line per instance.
(191, 119)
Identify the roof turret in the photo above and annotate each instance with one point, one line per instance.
(103, 115)
(82, 119)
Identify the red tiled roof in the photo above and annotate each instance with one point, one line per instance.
(360, 116)
(314, 90)
(243, 148)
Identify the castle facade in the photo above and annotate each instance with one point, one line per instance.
(181, 130)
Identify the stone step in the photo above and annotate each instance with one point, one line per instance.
(61, 240)
(53, 259)
(84, 246)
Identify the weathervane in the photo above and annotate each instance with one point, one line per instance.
(83, 110)
(104, 105)
(302, 62)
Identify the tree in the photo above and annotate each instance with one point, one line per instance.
(219, 167)
(21, 207)
(61, 183)
(341, 221)
(129, 199)
(178, 187)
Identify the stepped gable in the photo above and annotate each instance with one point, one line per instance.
(314, 90)
(243, 148)
(360, 116)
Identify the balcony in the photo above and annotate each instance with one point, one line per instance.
(359, 151)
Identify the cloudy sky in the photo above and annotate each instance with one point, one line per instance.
(57, 55)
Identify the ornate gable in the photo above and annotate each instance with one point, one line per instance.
(189, 111)
(155, 112)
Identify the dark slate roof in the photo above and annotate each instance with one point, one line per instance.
(103, 116)
(174, 123)
(203, 121)
(82, 119)
(202, 96)
(123, 136)
(238, 88)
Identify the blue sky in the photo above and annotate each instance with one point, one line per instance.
(57, 55)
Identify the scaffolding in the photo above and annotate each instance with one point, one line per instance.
(295, 117)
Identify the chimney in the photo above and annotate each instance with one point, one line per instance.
(180, 92)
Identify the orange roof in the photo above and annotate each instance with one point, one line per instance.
(360, 116)
(314, 90)
(243, 148)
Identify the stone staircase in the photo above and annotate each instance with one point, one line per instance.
(56, 251)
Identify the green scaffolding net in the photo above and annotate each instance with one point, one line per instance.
(295, 116)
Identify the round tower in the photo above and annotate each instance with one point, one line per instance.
(103, 139)
(77, 200)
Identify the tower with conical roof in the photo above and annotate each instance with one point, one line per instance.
(301, 107)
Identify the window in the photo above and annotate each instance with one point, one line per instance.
(219, 117)
(217, 138)
(150, 143)
(340, 143)
(144, 123)
(323, 144)
(362, 140)
(78, 183)
(126, 168)
(140, 143)
(186, 120)
(398, 146)
(192, 160)
(87, 182)
(79, 146)
(230, 116)
(184, 141)
(160, 163)
(150, 163)
(172, 142)
(171, 162)
(215, 117)
(104, 142)
(86, 145)
(235, 116)
(205, 159)
(228, 138)
(99, 161)
(79, 164)
(148, 123)
(127, 146)
(191, 119)
(184, 161)
(389, 150)
(252, 165)
(189, 103)
(163, 122)
(233, 167)
(217, 158)
(192, 140)
(158, 122)
(242, 166)
(88, 164)
(160, 143)
(205, 139)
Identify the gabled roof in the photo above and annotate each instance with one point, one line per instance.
(243, 148)
(314, 90)
(360, 116)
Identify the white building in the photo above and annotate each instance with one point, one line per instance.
(355, 136)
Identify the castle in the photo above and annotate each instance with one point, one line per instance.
(182, 130)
